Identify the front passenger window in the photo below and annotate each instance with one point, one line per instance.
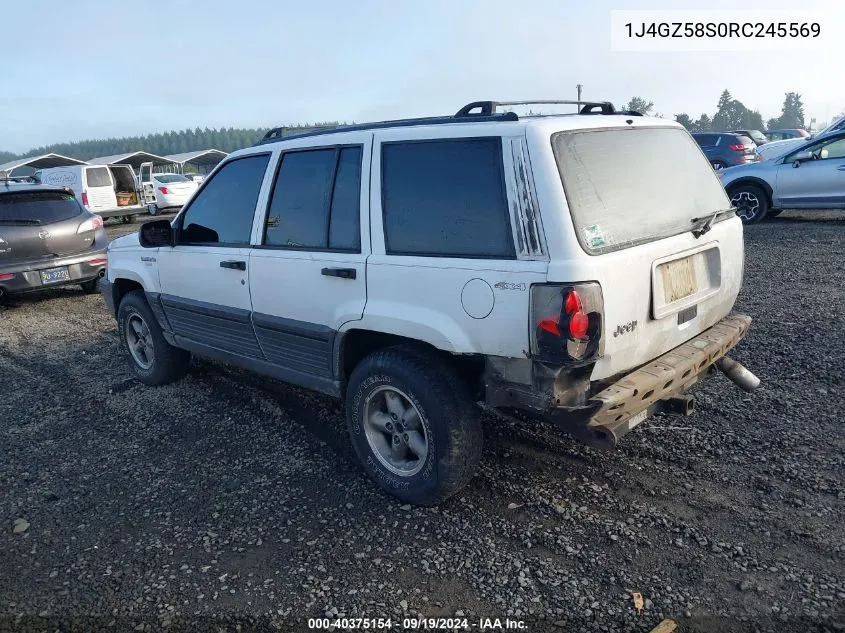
(222, 212)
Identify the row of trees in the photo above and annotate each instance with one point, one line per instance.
(225, 139)
(732, 114)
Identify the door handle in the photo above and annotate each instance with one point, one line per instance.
(235, 265)
(343, 273)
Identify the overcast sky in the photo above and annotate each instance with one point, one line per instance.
(96, 68)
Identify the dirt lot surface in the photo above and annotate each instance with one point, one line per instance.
(232, 502)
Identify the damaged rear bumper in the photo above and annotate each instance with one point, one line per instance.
(605, 416)
(626, 403)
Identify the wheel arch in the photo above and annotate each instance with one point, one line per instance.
(753, 181)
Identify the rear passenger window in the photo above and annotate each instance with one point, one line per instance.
(98, 177)
(222, 212)
(316, 201)
(446, 198)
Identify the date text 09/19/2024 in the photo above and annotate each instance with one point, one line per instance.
(416, 624)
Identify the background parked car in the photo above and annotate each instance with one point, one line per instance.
(48, 239)
(172, 191)
(755, 135)
(778, 135)
(812, 176)
(725, 149)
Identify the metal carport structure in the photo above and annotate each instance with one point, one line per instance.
(133, 159)
(204, 160)
(34, 163)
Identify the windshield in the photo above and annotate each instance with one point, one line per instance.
(170, 178)
(633, 185)
(37, 207)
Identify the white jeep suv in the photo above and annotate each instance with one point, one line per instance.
(581, 268)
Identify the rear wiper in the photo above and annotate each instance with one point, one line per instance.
(19, 221)
(705, 223)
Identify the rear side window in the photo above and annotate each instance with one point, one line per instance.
(37, 207)
(446, 198)
(706, 140)
(98, 177)
(222, 212)
(316, 201)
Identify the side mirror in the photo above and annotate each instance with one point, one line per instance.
(801, 157)
(155, 234)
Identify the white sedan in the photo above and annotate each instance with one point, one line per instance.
(172, 191)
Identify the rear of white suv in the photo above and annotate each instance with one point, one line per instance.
(646, 261)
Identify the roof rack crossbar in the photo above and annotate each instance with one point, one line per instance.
(488, 108)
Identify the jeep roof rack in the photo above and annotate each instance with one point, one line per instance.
(487, 113)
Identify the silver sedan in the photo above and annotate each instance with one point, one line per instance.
(811, 176)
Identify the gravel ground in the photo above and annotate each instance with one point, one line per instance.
(232, 502)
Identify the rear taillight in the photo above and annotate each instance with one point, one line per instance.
(566, 322)
(84, 199)
(5, 276)
(739, 148)
(163, 190)
(91, 224)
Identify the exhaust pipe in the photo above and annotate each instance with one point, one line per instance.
(738, 373)
(102, 273)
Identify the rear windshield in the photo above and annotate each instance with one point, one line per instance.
(170, 178)
(634, 185)
(37, 207)
(744, 140)
(98, 177)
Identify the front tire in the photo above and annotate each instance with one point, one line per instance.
(151, 358)
(750, 202)
(413, 425)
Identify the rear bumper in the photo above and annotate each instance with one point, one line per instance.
(627, 402)
(568, 399)
(27, 277)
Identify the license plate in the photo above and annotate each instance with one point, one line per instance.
(678, 279)
(53, 275)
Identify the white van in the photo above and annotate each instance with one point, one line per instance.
(107, 190)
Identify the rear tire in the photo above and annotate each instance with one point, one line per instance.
(751, 203)
(413, 425)
(152, 209)
(152, 359)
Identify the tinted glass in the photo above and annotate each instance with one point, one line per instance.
(37, 207)
(98, 177)
(741, 140)
(445, 198)
(299, 211)
(223, 211)
(706, 139)
(345, 231)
